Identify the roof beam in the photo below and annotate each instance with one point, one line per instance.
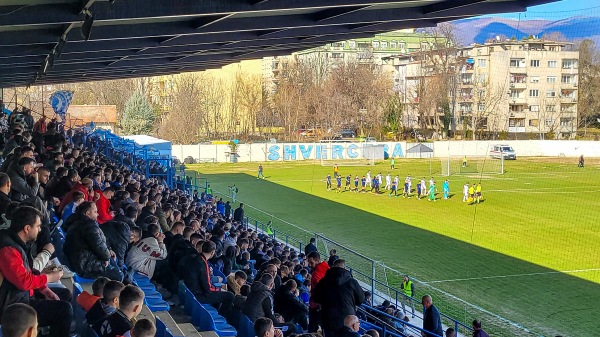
(444, 6)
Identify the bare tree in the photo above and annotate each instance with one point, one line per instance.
(182, 125)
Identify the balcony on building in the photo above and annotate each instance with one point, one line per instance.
(518, 81)
(516, 124)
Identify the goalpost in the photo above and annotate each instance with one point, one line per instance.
(472, 165)
(350, 154)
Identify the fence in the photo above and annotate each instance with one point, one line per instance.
(382, 280)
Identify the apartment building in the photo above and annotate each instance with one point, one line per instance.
(369, 50)
(524, 87)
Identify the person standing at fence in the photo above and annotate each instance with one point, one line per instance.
(432, 321)
(260, 172)
(408, 288)
(478, 331)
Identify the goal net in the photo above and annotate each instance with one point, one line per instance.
(349, 154)
(472, 165)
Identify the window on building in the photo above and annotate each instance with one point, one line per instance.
(534, 108)
(363, 45)
(549, 122)
(352, 44)
(337, 55)
(515, 94)
(550, 93)
(515, 63)
(383, 44)
(424, 45)
(481, 94)
(552, 48)
(534, 93)
(481, 78)
(566, 79)
(551, 79)
(569, 64)
(402, 45)
(534, 122)
(375, 44)
(550, 108)
(552, 64)
(534, 63)
(481, 107)
(393, 45)
(535, 79)
(566, 121)
(481, 63)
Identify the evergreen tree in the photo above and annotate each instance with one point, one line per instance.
(138, 117)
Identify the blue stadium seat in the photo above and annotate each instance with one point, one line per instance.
(157, 305)
(246, 328)
(204, 321)
(161, 329)
(78, 312)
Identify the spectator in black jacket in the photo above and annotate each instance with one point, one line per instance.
(131, 213)
(238, 214)
(24, 180)
(310, 247)
(182, 246)
(4, 191)
(197, 279)
(338, 294)
(85, 246)
(289, 306)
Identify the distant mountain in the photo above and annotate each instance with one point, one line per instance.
(478, 30)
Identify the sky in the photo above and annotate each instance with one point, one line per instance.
(559, 10)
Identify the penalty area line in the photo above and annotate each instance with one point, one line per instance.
(515, 275)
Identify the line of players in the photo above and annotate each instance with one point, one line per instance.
(471, 193)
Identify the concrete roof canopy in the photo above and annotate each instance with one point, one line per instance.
(60, 41)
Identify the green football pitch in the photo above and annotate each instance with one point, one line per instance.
(529, 253)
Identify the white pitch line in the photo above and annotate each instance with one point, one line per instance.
(516, 275)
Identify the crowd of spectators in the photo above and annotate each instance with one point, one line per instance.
(116, 222)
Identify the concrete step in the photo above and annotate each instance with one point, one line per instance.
(189, 330)
(170, 323)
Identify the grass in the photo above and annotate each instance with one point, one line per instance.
(530, 253)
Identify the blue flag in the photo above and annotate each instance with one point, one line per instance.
(60, 102)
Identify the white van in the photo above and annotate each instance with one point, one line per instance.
(506, 151)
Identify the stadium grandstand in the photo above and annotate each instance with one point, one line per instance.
(101, 237)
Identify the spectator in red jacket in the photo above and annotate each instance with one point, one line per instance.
(318, 270)
(84, 187)
(103, 204)
(20, 281)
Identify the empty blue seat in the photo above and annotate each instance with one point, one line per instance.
(246, 328)
(204, 321)
(161, 329)
(157, 305)
(78, 312)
